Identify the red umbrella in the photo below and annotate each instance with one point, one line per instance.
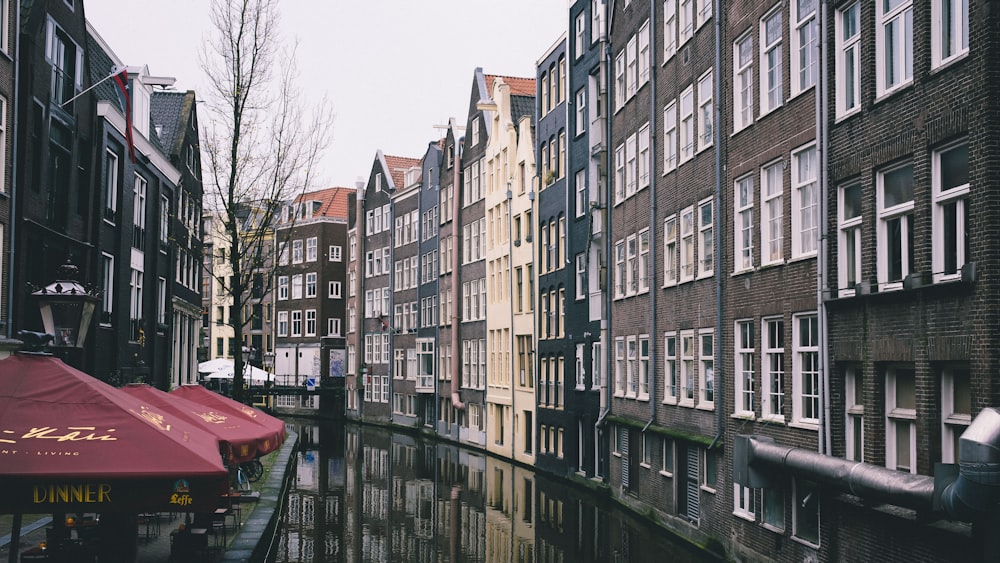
(274, 428)
(70, 442)
(243, 439)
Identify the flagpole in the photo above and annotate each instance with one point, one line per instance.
(92, 86)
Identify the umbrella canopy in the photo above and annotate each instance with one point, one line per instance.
(221, 368)
(244, 439)
(70, 442)
(275, 427)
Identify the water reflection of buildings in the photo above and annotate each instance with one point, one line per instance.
(363, 494)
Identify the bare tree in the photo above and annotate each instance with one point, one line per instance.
(261, 146)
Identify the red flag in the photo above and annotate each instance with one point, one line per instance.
(121, 79)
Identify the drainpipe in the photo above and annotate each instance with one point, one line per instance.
(822, 140)
(456, 252)
(513, 335)
(14, 185)
(650, 272)
(608, 190)
(720, 419)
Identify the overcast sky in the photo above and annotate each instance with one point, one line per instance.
(392, 69)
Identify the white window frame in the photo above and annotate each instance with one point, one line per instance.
(619, 269)
(581, 111)
(706, 369)
(706, 238)
(312, 249)
(620, 80)
(334, 290)
(335, 252)
(644, 60)
(805, 202)
(949, 31)
(772, 225)
(772, 371)
(771, 61)
(804, 49)
(295, 323)
(282, 288)
(670, 137)
(631, 265)
(688, 266)
(643, 160)
(282, 323)
(706, 132)
(743, 225)
(744, 375)
(897, 416)
(685, 21)
(805, 370)
(957, 197)
(743, 502)
(849, 231)
(581, 276)
(631, 367)
(847, 66)
(854, 414)
(620, 368)
(743, 86)
(644, 370)
(332, 326)
(311, 281)
(619, 174)
(670, 249)
(310, 322)
(902, 211)
(644, 262)
(686, 132)
(669, 29)
(687, 378)
(297, 251)
(898, 51)
(296, 286)
(670, 392)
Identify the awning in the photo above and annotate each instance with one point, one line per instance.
(244, 439)
(275, 427)
(70, 442)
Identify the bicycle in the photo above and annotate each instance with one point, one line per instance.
(253, 469)
(238, 479)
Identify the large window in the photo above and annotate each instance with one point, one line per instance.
(311, 249)
(670, 381)
(848, 63)
(773, 369)
(848, 238)
(296, 323)
(311, 284)
(805, 202)
(706, 240)
(743, 82)
(900, 419)
(670, 137)
(804, 48)
(743, 375)
(771, 213)
(805, 369)
(893, 45)
(644, 367)
(949, 30)
(950, 167)
(894, 191)
(770, 62)
(687, 244)
(669, 28)
(705, 116)
(619, 366)
(282, 323)
(706, 371)
(643, 261)
(687, 369)
(670, 251)
(687, 139)
(956, 409)
(743, 227)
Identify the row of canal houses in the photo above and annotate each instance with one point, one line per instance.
(702, 230)
(72, 191)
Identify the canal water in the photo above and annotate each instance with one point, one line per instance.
(364, 494)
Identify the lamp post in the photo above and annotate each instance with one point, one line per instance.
(66, 307)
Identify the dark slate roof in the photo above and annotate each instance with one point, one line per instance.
(521, 106)
(165, 109)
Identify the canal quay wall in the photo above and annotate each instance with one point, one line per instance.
(256, 538)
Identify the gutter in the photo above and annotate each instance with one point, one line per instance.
(720, 420)
(12, 242)
(651, 271)
(822, 107)
(456, 252)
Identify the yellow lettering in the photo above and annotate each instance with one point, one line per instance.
(62, 493)
(104, 493)
(77, 492)
(39, 494)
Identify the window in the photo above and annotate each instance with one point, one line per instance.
(296, 323)
(670, 368)
(950, 183)
(108, 287)
(771, 224)
(581, 276)
(631, 367)
(282, 323)
(630, 166)
(670, 251)
(620, 366)
(643, 162)
(901, 416)
(687, 244)
(311, 322)
(667, 457)
(744, 366)
(620, 269)
(854, 410)
(311, 249)
(644, 371)
(770, 62)
(705, 131)
(110, 185)
(161, 301)
(956, 410)
(643, 263)
(669, 28)
(619, 80)
(893, 45)
(686, 20)
(643, 54)
(706, 242)
(631, 66)
(949, 30)
(773, 370)
(805, 369)
(848, 62)
(804, 47)
(894, 195)
(743, 498)
(620, 173)
(743, 82)
(805, 512)
(773, 505)
(335, 253)
(581, 111)
(670, 137)
(596, 20)
(687, 369)
(849, 238)
(805, 202)
(297, 286)
(743, 228)
(332, 326)
(687, 140)
(706, 373)
(333, 290)
(311, 284)
(581, 30)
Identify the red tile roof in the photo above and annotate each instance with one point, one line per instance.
(398, 165)
(334, 202)
(518, 86)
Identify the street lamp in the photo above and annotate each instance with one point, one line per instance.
(66, 307)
